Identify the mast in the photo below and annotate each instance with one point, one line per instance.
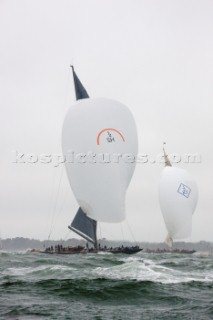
(169, 240)
(82, 224)
(166, 158)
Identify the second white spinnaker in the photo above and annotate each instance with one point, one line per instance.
(178, 195)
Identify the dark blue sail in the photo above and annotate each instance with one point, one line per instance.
(80, 91)
(84, 226)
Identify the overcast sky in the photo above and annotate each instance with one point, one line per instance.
(155, 56)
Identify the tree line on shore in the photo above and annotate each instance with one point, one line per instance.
(20, 243)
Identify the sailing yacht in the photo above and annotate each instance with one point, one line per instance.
(100, 132)
(178, 195)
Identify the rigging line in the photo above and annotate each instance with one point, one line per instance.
(55, 203)
(51, 199)
(54, 175)
(58, 212)
(99, 225)
(122, 231)
(130, 231)
(64, 238)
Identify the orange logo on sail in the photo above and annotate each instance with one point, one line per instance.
(110, 137)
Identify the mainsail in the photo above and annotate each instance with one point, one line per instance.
(178, 196)
(101, 133)
(84, 226)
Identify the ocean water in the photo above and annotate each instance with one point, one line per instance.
(106, 286)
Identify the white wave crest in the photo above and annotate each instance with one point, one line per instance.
(146, 270)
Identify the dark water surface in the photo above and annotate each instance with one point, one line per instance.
(106, 286)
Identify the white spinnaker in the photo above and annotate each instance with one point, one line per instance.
(93, 127)
(178, 196)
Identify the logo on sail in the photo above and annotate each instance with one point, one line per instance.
(110, 136)
(184, 190)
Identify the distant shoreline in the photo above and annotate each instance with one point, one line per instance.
(20, 243)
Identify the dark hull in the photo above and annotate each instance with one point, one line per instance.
(125, 251)
(60, 250)
(117, 250)
(64, 253)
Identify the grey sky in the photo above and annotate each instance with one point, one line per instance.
(153, 56)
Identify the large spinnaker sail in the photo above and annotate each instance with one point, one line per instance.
(84, 226)
(101, 136)
(178, 196)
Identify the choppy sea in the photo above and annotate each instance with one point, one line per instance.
(106, 286)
